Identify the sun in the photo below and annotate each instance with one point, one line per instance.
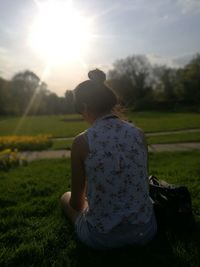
(59, 33)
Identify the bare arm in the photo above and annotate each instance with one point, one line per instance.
(78, 189)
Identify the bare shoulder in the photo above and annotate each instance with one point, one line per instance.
(80, 139)
(80, 146)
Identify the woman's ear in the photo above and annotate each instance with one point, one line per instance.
(87, 114)
(84, 111)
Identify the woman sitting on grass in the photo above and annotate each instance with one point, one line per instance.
(109, 203)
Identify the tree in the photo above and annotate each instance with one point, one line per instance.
(136, 74)
(166, 80)
(69, 101)
(188, 82)
(26, 94)
(4, 96)
(23, 87)
(39, 100)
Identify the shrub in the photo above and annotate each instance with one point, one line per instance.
(10, 159)
(22, 143)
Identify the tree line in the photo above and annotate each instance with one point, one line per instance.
(26, 93)
(139, 85)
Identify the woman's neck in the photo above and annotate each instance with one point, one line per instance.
(91, 117)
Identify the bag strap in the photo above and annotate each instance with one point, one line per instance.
(153, 180)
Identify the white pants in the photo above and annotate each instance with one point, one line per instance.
(122, 235)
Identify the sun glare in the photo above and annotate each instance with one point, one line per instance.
(59, 32)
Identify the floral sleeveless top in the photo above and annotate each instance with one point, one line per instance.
(117, 178)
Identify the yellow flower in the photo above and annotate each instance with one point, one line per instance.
(25, 142)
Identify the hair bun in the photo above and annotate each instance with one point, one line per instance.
(97, 76)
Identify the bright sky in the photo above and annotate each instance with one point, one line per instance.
(61, 40)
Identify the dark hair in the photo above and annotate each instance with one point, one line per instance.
(93, 93)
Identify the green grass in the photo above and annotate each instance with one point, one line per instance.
(56, 126)
(61, 144)
(164, 121)
(34, 232)
(34, 125)
(174, 138)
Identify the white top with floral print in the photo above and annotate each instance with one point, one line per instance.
(117, 177)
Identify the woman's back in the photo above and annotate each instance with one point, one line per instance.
(111, 170)
(116, 171)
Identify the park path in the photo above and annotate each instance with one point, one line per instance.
(50, 154)
(174, 147)
(173, 132)
(46, 154)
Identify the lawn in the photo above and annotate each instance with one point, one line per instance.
(61, 144)
(34, 232)
(56, 126)
(174, 138)
(64, 126)
(164, 121)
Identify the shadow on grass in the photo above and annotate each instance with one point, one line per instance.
(54, 243)
(167, 249)
(149, 255)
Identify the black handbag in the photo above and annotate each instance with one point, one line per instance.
(172, 205)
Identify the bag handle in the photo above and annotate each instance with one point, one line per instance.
(153, 180)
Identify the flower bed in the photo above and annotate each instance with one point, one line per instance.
(10, 159)
(22, 143)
